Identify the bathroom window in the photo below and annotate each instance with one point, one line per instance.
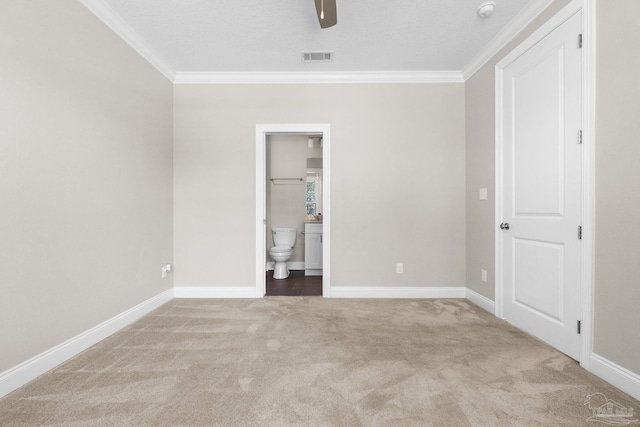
(314, 191)
(311, 197)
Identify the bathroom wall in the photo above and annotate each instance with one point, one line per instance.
(85, 176)
(397, 170)
(288, 159)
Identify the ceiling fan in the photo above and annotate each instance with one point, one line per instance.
(327, 13)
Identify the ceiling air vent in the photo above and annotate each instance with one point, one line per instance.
(317, 56)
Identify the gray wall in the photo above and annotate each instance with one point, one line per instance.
(397, 179)
(616, 336)
(85, 176)
(480, 161)
(617, 266)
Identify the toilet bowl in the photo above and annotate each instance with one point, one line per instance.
(284, 240)
(280, 254)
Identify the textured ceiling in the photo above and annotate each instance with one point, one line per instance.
(268, 35)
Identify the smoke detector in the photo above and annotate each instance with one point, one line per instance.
(486, 8)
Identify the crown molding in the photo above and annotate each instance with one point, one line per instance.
(524, 18)
(133, 39)
(321, 77)
(108, 16)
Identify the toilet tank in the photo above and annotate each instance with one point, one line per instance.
(285, 236)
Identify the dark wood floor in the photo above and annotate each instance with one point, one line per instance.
(297, 284)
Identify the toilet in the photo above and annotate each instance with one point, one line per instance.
(284, 240)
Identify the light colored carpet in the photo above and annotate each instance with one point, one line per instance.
(309, 361)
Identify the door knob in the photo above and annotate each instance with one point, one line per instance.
(504, 226)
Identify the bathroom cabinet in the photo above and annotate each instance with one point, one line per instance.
(312, 249)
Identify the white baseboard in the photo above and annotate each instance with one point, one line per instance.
(21, 374)
(481, 301)
(313, 272)
(293, 265)
(396, 292)
(215, 292)
(616, 375)
(16, 377)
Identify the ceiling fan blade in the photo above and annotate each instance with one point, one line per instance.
(330, 13)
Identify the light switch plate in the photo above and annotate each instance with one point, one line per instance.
(483, 194)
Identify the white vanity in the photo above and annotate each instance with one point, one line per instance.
(313, 249)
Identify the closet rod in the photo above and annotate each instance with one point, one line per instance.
(286, 179)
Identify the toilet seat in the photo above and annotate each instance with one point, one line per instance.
(279, 249)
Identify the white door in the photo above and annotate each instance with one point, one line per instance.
(540, 110)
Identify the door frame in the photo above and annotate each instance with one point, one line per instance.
(588, 183)
(262, 131)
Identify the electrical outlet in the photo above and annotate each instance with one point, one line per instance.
(165, 270)
(483, 194)
(399, 268)
(483, 275)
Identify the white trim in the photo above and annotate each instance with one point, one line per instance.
(499, 164)
(480, 300)
(326, 214)
(12, 379)
(396, 292)
(112, 20)
(215, 292)
(295, 265)
(262, 131)
(614, 374)
(588, 178)
(322, 77)
(261, 211)
(588, 192)
(545, 29)
(21, 374)
(291, 265)
(524, 18)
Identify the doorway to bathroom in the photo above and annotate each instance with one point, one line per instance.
(292, 199)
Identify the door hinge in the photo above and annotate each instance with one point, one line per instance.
(579, 232)
(579, 327)
(580, 41)
(579, 137)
